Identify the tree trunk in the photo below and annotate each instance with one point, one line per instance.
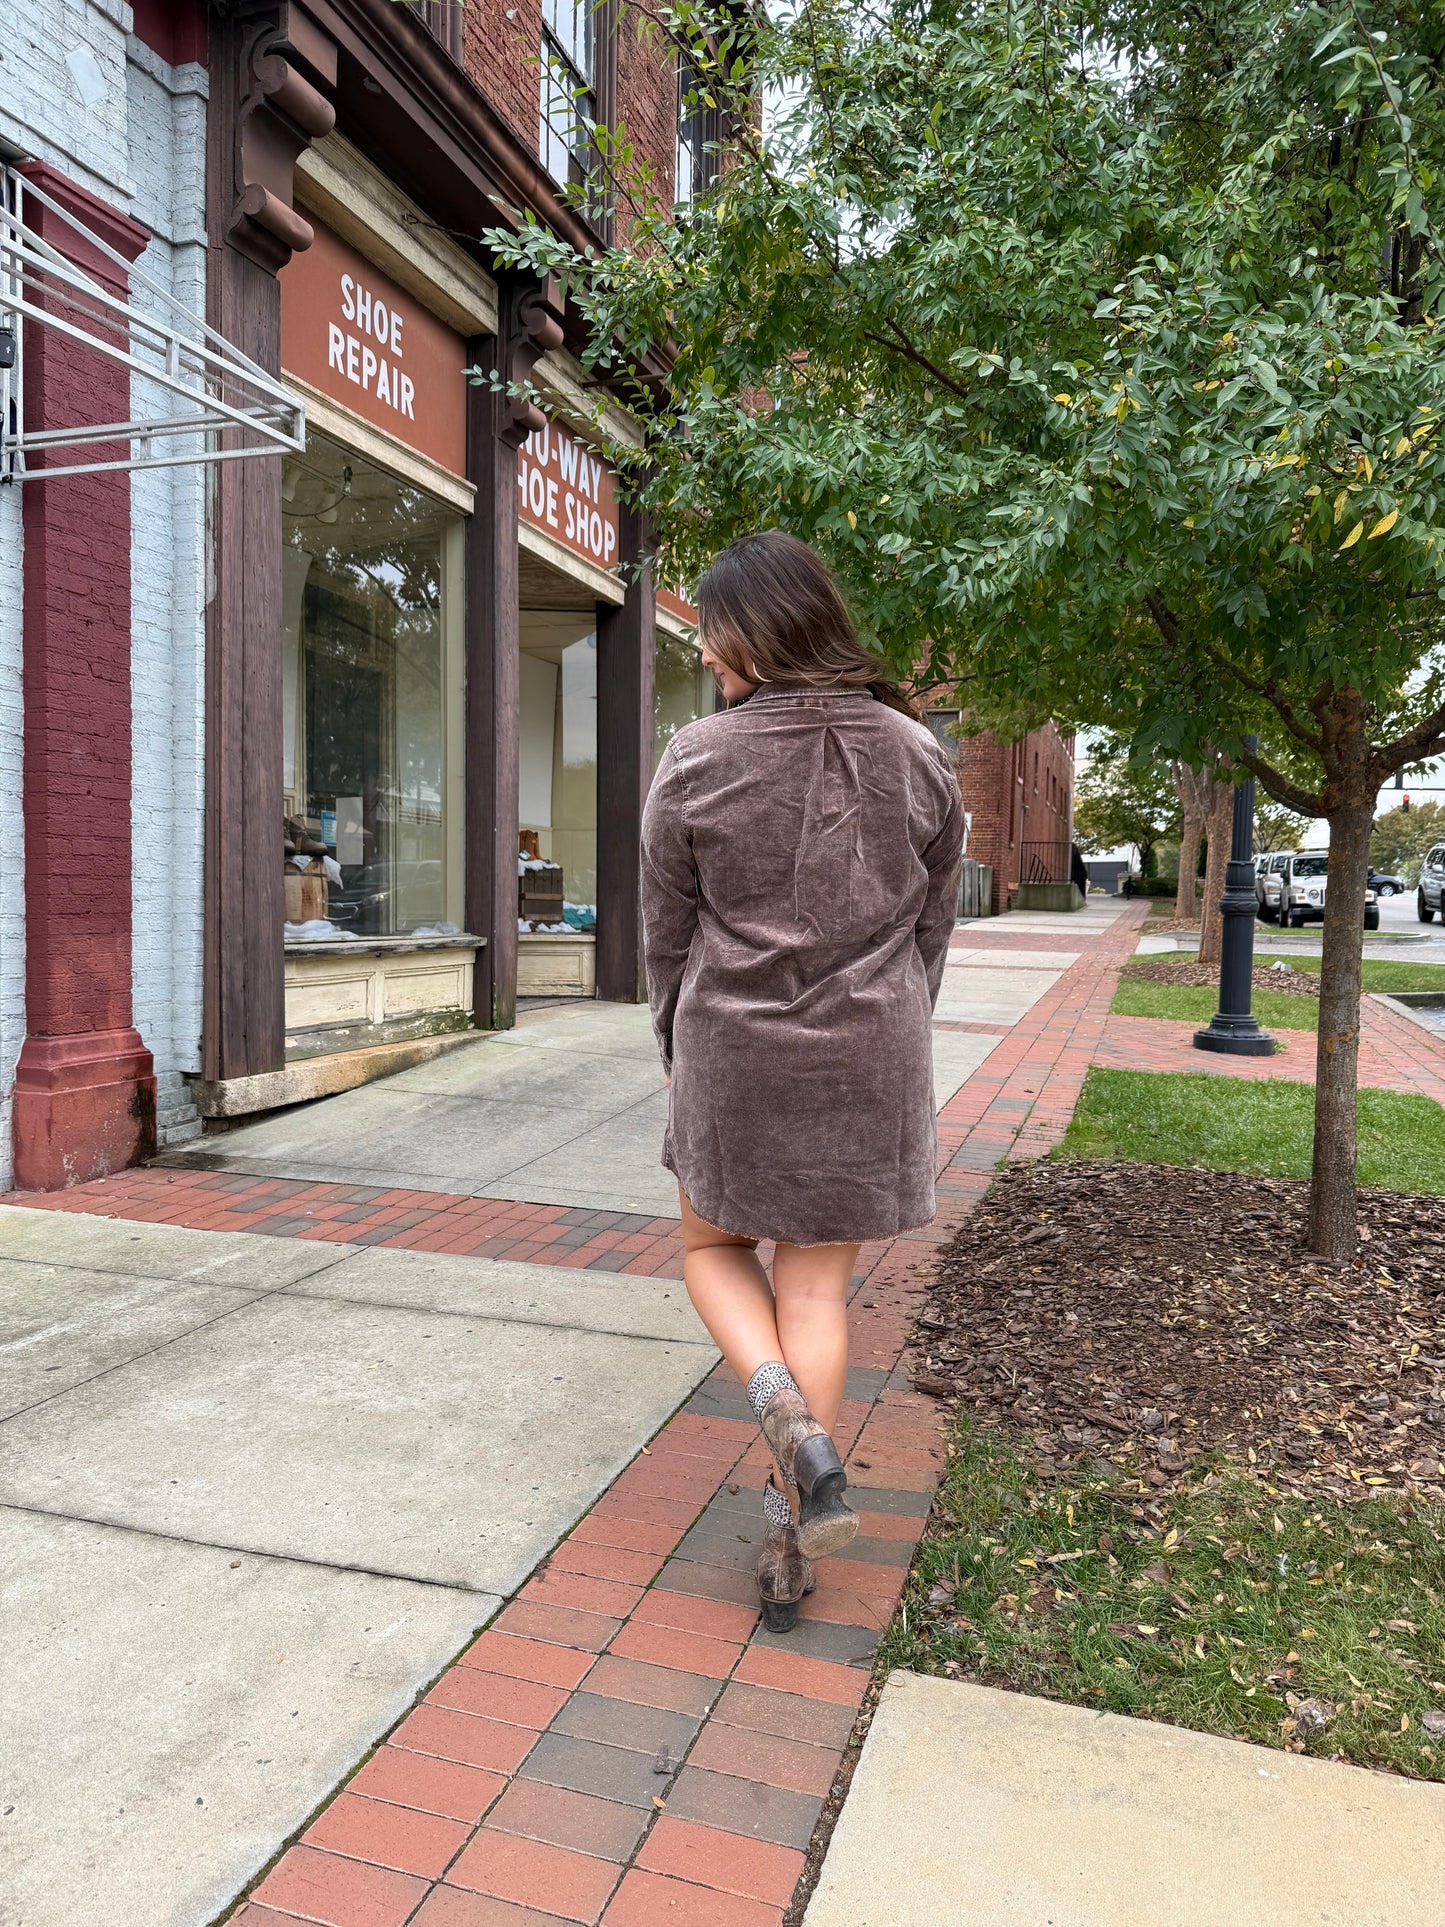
(1332, 1228)
(1220, 827)
(1186, 785)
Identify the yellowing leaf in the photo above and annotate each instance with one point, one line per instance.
(1404, 445)
(1341, 500)
(1352, 538)
(1171, 1537)
(852, 520)
(1063, 400)
(1385, 524)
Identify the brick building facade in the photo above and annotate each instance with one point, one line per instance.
(251, 711)
(1020, 799)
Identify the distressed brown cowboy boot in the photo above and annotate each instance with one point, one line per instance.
(784, 1575)
(807, 1458)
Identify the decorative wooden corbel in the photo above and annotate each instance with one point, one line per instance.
(531, 326)
(278, 113)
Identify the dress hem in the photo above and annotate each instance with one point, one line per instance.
(802, 1244)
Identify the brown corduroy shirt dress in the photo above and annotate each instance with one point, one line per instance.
(800, 858)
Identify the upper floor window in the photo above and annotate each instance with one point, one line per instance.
(696, 136)
(445, 18)
(569, 89)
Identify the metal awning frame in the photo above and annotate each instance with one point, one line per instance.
(225, 392)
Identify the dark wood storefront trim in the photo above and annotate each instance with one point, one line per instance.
(626, 735)
(529, 323)
(263, 112)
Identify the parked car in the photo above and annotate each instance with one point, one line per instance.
(1268, 869)
(1384, 885)
(1302, 890)
(1430, 896)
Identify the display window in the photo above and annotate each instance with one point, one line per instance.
(557, 786)
(684, 689)
(371, 654)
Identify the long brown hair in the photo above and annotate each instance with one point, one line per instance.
(770, 609)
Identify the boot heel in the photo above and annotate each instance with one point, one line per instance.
(780, 1615)
(816, 1465)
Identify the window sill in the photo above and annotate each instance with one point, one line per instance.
(375, 946)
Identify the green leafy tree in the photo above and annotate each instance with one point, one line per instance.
(1094, 342)
(1275, 826)
(1402, 837)
(1116, 801)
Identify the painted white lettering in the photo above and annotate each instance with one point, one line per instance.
(583, 478)
(571, 502)
(348, 289)
(353, 359)
(551, 502)
(536, 491)
(567, 457)
(596, 468)
(609, 541)
(408, 391)
(363, 310)
(523, 470)
(335, 345)
(396, 334)
(368, 366)
(383, 384)
(544, 445)
(381, 323)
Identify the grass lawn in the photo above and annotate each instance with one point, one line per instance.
(1213, 1609)
(1378, 973)
(1275, 1009)
(1234, 1124)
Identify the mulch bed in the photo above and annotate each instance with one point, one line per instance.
(1164, 1318)
(1189, 971)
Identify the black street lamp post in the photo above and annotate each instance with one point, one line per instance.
(1233, 1027)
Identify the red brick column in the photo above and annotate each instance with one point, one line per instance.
(84, 1088)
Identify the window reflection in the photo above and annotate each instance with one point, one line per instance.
(363, 653)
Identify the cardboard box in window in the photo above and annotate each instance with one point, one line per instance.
(307, 894)
(539, 894)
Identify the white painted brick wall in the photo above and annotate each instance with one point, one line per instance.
(168, 549)
(141, 146)
(42, 109)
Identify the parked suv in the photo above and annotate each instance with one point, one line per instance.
(1267, 872)
(1302, 890)
(1430, 896)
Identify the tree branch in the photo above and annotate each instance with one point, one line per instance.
(1302, 802)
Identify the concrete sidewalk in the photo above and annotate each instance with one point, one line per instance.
(277, 1437)
(996, 1807)
(253, 1493)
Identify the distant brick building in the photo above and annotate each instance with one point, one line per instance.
(1020, 798)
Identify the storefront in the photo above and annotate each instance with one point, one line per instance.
(372, 662)
(473, 682)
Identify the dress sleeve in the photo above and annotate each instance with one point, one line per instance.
(942, 858)
(669, 895)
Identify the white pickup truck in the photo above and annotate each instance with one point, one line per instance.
(1302, 891)
(1268, 869)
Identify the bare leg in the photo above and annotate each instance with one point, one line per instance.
(730, 1292)
(810, 1286)
(802, 1319)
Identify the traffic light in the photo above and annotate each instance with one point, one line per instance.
(1405, 801)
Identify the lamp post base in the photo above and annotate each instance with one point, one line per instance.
(1237, 1036)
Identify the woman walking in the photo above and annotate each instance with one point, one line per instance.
(800, 870)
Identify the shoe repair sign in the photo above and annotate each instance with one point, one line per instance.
(567, 491)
